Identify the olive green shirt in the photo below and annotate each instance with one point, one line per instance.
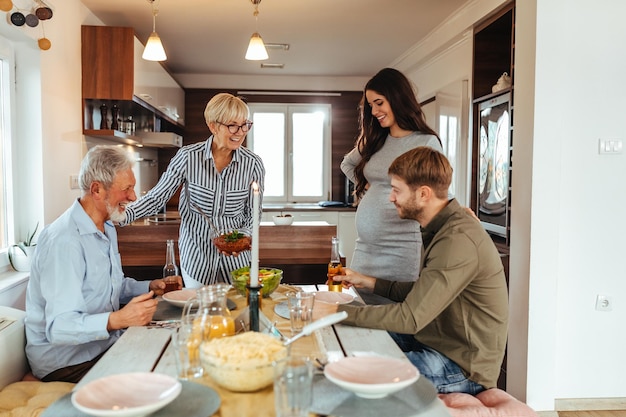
(459, 304)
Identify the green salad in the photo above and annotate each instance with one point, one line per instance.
(269, 277)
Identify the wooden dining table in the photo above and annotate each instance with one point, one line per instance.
(147, 349)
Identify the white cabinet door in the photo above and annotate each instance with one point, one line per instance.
(346, 230)
(155, 86)
(329, 217)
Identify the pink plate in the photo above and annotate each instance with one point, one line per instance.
(126, 395)
(333, 297)
(179, 297)
(371, 376)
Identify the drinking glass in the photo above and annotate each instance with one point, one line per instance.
(300, 309)
(186, 345)
(293, 386)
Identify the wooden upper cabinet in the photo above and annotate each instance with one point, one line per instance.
(107, 62)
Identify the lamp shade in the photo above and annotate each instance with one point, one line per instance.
(256, 49)
(154, 49)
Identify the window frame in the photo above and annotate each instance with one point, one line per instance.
(7, 116)
(288, 110)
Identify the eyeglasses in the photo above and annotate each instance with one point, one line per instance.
(235, 128)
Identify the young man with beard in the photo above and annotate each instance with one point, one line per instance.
(76, 284)
(451, 322)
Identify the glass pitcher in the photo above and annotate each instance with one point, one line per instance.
(208, 312)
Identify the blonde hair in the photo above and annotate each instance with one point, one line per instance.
(424, 166)
(224, 108)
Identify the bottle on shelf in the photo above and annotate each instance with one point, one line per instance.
(115, 111)
(334, 267)
(103, 116)
(170, 269)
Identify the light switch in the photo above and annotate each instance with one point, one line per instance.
(611, 146)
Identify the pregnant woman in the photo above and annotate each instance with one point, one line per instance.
(391, 123)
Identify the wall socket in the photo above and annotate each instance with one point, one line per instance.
(604, 303)
(74, 182)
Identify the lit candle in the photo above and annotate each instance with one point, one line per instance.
(254, 267)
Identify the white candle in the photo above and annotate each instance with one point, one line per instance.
(254, 267)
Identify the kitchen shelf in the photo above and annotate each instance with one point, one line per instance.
(114, 135)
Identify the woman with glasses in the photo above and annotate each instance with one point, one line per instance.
(216, 177)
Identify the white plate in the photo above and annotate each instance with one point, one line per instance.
(132, 394)
(371, 376)
(179, 297)
(333, 297)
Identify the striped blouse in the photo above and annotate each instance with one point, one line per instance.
(224, 196)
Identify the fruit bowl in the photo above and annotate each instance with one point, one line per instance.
(269, 277)
(283, 220)
(231, 241)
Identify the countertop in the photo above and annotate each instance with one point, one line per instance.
(303, 207)
(172, 216)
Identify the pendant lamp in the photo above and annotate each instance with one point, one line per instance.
(154, 48)
(256, 48)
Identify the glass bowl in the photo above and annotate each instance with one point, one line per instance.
(243, 362)
(269, 277)
(231, 241)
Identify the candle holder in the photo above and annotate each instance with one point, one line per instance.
(253, 306)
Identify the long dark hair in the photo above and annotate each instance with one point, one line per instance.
(398, 91)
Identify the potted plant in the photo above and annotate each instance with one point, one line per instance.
(20, 253)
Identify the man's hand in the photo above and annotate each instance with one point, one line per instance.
(353, 278)
(138, 312)
(157, 286)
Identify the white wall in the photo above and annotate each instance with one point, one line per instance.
(576, 214)
(566, 227)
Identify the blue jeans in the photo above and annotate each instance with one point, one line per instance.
(444, 373)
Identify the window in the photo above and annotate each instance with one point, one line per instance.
(6, 226)
(294, 142)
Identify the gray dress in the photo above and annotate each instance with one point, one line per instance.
(387, 246)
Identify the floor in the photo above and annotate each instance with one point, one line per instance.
(603, 413)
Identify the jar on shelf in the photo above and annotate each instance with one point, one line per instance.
(129, 126)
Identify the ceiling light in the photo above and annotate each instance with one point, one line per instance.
(256, 48)
(154, 48)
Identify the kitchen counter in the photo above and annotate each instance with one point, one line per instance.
(296, 248)
(267, 207)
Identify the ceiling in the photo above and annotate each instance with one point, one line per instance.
(326, 37)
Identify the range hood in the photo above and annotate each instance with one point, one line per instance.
(161, 139)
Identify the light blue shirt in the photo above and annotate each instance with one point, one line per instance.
(76, 281)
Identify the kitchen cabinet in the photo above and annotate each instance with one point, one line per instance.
(113, 73)
(302, 250)
(154, 86)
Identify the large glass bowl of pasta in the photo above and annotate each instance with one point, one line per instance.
(243, 362)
